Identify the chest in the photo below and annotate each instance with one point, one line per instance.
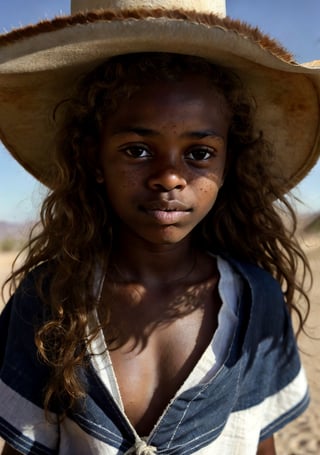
(157, 340)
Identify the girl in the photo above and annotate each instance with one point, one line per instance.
(151, 314)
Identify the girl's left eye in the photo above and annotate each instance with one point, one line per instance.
(200, 154)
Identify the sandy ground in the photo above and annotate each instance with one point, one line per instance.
(302, 437)
(6, 260)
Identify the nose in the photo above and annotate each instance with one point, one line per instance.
(167, 179)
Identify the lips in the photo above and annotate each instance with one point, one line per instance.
(166, 212)
(168, 206)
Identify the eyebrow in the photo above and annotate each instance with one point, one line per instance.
(203, 134)
(139, 130)
(147, 132)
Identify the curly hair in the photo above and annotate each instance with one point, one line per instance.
(74, 234)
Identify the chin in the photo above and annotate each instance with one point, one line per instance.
(167, 236)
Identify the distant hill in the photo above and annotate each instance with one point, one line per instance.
(13, 235)
(313, 226)
(14, 230)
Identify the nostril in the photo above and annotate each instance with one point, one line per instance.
(162, 187)
(167, 181)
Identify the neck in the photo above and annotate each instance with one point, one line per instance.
(138, 261)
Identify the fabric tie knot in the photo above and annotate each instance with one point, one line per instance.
(142, 448)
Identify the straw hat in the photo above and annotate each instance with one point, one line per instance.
(40, 64)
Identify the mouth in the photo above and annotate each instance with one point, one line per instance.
(166, 206)
(166, 212)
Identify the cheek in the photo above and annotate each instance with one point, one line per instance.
(208, 188)
(207, 191)
(127, 178)
(209, 183)
(119, 180)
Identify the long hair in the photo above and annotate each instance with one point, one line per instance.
(74, 235)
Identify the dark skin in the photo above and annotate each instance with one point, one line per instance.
(169, 153)
(162, 161)
(267, 447)
(157, 346)
(8, 450)
(167, 143)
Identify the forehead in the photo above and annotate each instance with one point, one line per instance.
(194, 97)
(195, 85)
(165, 81)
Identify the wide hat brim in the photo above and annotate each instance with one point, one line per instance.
(40, 65)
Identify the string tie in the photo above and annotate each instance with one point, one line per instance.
(141, 448)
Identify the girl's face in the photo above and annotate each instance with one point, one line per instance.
(163, 157)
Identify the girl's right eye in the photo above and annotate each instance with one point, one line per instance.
(136, 151)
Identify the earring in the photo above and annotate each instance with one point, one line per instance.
(99, 176)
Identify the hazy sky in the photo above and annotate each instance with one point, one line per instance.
(294, 23)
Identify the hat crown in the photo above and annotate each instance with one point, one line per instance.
(217, 7)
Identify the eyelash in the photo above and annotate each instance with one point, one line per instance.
(132, 148)
(209, 152)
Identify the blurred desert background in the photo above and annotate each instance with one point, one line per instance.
(302, 437)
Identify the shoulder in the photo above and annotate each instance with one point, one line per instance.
(26, 304)
(20, 366)
(265, 347)
(252, 273)
(260, 284)
(21, 316)
(262, 308)
(25, 307)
